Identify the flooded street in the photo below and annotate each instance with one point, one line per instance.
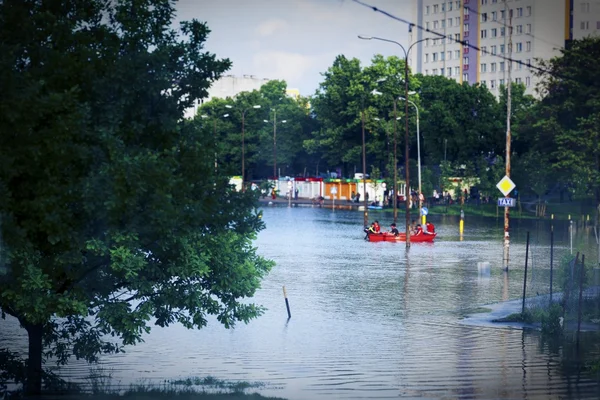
(369, 320)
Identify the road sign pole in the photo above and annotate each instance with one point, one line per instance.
(506, 185)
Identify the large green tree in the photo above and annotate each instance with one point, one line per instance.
(113, 216)
(567, 121)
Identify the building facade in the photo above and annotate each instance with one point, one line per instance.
(540, 28)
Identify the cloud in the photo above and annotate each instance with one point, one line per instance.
(269, 27)
(282, 65)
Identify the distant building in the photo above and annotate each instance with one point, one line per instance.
(540, 28)
(228, 86)
(293, 93)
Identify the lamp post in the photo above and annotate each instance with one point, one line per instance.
(418, 149)
(275, 176)
(204, 116)
(407, 191)
(364, 154)
(243, 145)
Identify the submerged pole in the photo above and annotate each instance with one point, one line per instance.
(287, 304)
(525, 279)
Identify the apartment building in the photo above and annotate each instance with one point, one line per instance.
(539, 29)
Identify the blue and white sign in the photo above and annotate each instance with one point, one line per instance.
(424, 211)
(507, 202)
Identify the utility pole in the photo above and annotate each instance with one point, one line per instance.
(275, 150)
(508, 115)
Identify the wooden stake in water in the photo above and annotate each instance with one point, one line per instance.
(525, 279)
(581, 274)
(287, 304)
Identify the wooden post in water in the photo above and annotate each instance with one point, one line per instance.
(581, 274)
(525, 279)
(287, 304)
(551, 255)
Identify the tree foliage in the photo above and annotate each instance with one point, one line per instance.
(113, 215)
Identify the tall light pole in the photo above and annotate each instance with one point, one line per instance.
(275, 176)
(243, 144)
(364, 153)
(406, 147)
(204, 116)
(418, 149)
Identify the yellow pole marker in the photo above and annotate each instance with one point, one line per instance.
(462, 222)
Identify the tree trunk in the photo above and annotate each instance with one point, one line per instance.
(33, 384)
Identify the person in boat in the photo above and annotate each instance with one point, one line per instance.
(413, 227)
(419, 230)
(377, 226)
(394, 230)
(371, 229)
(430, 227)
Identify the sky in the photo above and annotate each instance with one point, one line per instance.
(296, 40)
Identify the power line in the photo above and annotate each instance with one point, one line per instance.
(462, 42)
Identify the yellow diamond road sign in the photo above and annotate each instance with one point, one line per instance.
(505, 185)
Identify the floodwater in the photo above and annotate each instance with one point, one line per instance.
(371, 320)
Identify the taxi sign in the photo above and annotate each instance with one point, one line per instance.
(505, 185)
(507, 202)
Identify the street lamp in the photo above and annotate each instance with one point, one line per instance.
(407, 191)
(243, 145)
(364, 153)
(204, 116)
(418, 149)
(275, 175)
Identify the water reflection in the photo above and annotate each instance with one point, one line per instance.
(371, 320)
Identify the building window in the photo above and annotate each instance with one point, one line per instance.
(501, 49)
(483, 67)
(456, 54)
(528, 46)
(457, 37)
(449, 55)
(443, 23)
(466, 77)
(519, 12)
(483, 33)
(441, 71)
(483, 51)
(501, 65)
(426, 72)
(442, 56)
(435, 9)
(494, 15)
(519, 47)
(456, 21)
(527, 81)
(502, 31)
(449, 71)
(585, 25)
(518, 80)
(493, 67)
(503, 14)
(456, 71)
(465, 60)
(427, 25)
(528, 12)
(466, 43)
(449, 22)
(519, 29)
(528, 28)
(519, 65)
(493, 50)
(426, 57)
(426, 10)
(483, 83)
(483, 17)
(585, 7)
(436, 24)
(492, 84)
(443, 7)
(494, 32)
(434, 57)
(466, 27)
(483, 2)
(528, 62)
(501, 82)
(434, 71)
(449, 6)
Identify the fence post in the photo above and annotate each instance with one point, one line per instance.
(581, 274)
(525, 279)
